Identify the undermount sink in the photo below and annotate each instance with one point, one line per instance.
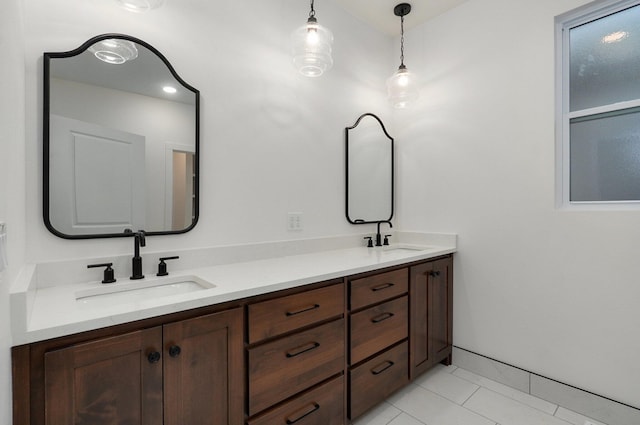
(140, 290)
(405, 248)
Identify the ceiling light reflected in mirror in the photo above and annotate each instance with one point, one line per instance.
(140, 6)
(114, 51)
(169, 90)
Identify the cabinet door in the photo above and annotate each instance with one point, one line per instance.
(203, 370)
(105, 382)
(431, 296)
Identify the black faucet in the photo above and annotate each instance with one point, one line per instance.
(378, 235)
(136, 262)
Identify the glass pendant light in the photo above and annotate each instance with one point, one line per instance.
(402, 87)
(311, 45)
(114, 51)
(140, 6)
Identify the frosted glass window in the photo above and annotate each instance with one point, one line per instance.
(605, 158)
(598, 105)
(605, 59)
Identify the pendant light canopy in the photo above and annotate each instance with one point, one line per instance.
(402, 87)
(140, 6)
(311, 44)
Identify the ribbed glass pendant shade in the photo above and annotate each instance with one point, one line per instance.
(402, 88)
(140, 6)
(114, 51)
(311, 46)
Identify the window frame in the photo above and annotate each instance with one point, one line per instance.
(563, 24)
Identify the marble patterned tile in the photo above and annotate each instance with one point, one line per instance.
(382, 414)
(433, 409)
(588, 404)
(575, 418)
(499, 372)
(506, 411)
(440, 381)
(405, 419)
(510, 392)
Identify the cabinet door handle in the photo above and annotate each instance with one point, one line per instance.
(382, 317)
(383, 286)
(303, 310)
(174, 351)
(153, 357)
(433, 273)
(303, 413)
(382, 367)
(302, 349)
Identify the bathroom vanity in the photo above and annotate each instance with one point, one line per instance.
(290, 336)
(303, 351)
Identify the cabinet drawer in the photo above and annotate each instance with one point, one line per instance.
(377, 288)
(373, 381)
(378, 327)
(321, 406)
(284, 367)
(275, 317)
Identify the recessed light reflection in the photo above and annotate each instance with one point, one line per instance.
(169, 89)
(615, 37)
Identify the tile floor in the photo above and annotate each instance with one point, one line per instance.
(454, 396)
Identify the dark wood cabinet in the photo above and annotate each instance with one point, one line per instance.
(378, 331)
(296, 342)
(322, 354)
(378, 327)
(289, 365)
(108, 381)
(376, 379)
(431, 289)
(189, 371)
(323, 405)
(204, 370)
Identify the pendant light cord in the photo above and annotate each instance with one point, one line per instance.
(312, 13)
(402, 41)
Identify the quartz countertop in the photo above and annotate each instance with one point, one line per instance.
(48, 312)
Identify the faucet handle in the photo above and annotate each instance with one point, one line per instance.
(370, 243)
(162, 266)
(386, 239)
(108, 272)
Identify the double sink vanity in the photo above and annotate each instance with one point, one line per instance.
(314, 338)
(310, 331)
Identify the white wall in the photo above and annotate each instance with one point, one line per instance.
(271, 140)
(551, 291)
(12, 177)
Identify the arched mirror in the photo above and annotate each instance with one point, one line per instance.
(369, 171)
(121, 141)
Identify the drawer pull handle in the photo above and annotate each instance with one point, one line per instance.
(383, 286)
(304, 413)
(382, 367)
(293, 313)
(303, 349)
(382, 317)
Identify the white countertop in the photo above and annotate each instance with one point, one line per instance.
(43, 313)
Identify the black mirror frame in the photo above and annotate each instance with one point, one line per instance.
(346, 141)
(46, 148)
